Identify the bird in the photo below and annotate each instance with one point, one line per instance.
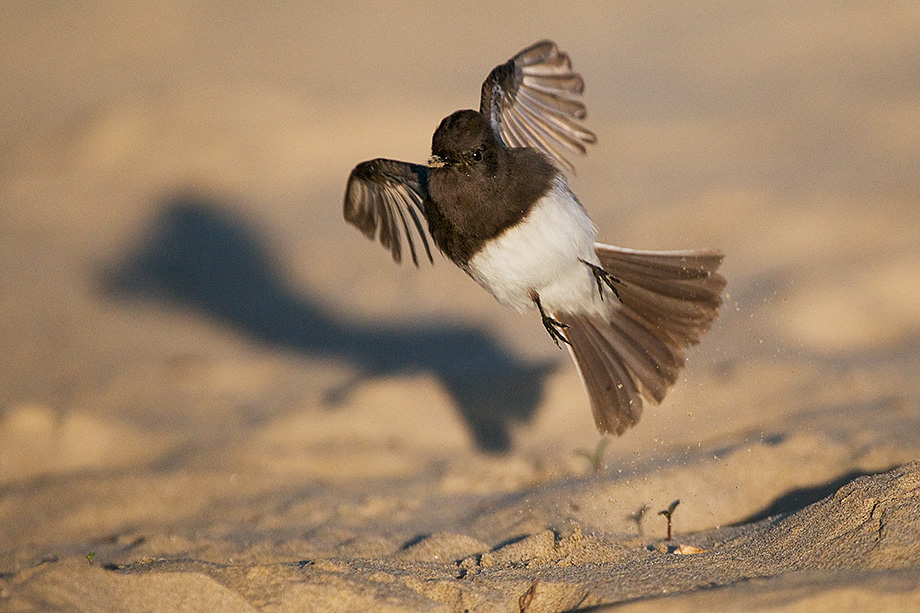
(494, 198)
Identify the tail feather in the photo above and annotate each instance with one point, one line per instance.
(613, 393)
(669, 300)
(655, 363)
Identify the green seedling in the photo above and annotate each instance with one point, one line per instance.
(597, 456)
(668, 513)
(90, 556)
(638, 516)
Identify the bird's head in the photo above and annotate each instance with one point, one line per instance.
(465, 140)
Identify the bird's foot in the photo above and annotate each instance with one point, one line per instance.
(602, 278)
(553, 326)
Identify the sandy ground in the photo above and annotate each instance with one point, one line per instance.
(215, 395)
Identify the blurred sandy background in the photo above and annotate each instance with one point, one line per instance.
(200, 361)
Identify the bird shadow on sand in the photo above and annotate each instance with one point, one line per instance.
(198, 256)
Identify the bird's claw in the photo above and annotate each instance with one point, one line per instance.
(553, 326)
(602, 278)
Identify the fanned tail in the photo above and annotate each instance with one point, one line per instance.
(668, 300)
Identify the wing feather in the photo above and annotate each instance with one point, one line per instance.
(381, 199)
(531, 101)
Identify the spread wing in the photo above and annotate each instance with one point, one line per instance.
(531, 101)
(385, 198)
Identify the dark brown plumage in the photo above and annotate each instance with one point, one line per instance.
(495, 200)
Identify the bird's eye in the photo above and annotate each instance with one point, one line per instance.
(477, 155)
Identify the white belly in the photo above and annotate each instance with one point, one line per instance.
(542, 254)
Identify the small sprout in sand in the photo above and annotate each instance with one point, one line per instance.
(638, 516)
(90, 556)
(597, 456)
(668, 513)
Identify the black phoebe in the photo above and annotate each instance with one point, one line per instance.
(496, 202)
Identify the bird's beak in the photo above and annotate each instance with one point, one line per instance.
(436, 161)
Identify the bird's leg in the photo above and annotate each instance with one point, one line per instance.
(552, 326)
(602, 278)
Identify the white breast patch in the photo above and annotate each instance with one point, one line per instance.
(541, 254)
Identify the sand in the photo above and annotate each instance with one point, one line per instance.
(215, 395)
